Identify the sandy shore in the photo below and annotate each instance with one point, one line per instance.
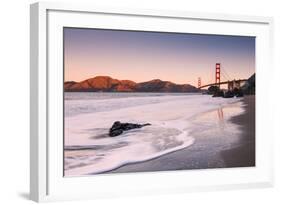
(243, 155)
(213, 148)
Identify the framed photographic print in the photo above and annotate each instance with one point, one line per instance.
(127, 102)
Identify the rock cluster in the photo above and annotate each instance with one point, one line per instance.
(118, 128)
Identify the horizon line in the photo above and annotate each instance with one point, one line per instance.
(141, 81)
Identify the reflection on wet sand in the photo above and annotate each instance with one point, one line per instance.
(216, 124)
(221, 119)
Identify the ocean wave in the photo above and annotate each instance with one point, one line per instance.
(133, 146)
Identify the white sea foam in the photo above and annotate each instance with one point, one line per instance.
(90, 150)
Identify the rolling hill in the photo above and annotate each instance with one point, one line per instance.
(108, 84)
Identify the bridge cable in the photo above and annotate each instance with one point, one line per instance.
(224, 76)
(229, 78)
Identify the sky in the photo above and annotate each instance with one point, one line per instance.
(143, 55)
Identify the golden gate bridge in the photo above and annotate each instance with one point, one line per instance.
(231, 84)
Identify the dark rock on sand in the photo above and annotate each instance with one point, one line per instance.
(218, 94)
(228, 94)
(118, 127)
(238, 92)
(212, 90)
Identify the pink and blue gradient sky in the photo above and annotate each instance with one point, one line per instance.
(142, 56)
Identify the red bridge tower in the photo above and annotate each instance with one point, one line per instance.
(218, 73)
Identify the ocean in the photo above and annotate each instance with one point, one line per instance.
(173, 118)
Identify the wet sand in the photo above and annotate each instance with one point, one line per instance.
(218, 150)
(243, 155)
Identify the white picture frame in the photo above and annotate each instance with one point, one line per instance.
(46, 179)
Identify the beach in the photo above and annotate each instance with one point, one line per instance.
(187, 131)
(213, 155)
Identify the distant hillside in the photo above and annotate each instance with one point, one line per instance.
(108, 84)
(164, 86)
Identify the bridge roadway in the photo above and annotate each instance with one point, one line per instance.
(223, 83)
